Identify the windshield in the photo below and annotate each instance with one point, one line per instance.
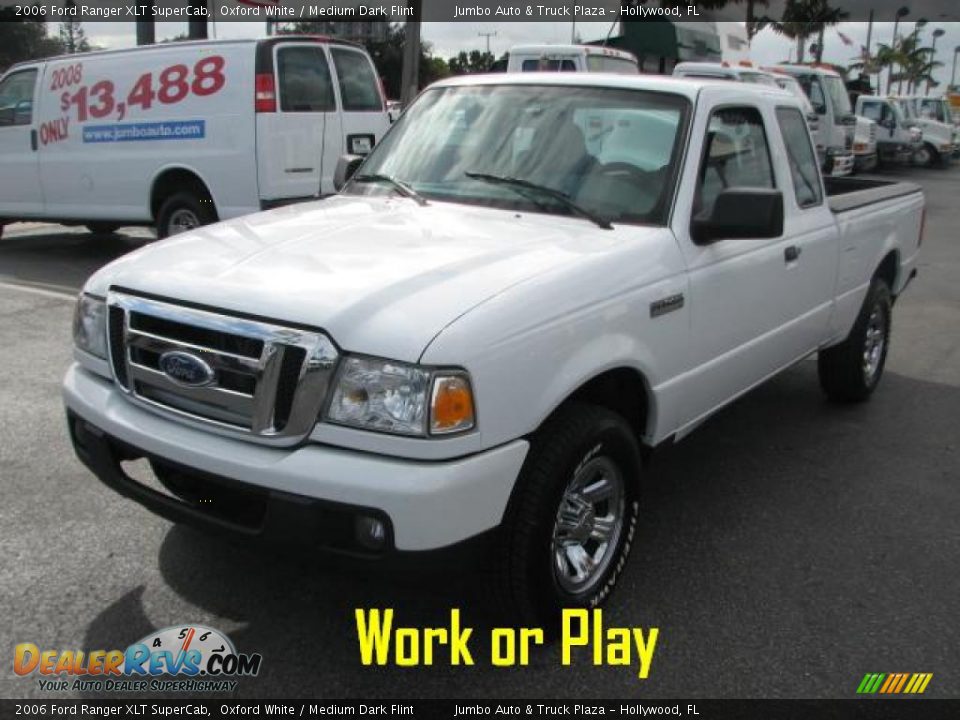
(906, 108)
(611, 151)
(793, 87)
(611, 63)
(758, 79)
(837, 92)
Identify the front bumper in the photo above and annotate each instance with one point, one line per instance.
(899, 153)
(301, 491)
(865, 162)
(839, 164)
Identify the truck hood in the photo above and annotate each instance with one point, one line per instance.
(382, 276)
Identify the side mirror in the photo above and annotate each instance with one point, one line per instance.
(741, 213)
(820, 109)
(346, 166)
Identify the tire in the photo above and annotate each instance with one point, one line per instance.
(927, 156)
(581, 446)
(99, 228)
(182, 212)
(851, 371)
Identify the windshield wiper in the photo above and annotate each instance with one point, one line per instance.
(400, 186)
(559, 196)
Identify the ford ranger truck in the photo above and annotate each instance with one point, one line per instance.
(530, 282)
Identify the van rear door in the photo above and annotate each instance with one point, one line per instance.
(20, 191)
(363, 114)
(291, 136)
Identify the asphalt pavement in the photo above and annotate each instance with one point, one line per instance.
(785, 549)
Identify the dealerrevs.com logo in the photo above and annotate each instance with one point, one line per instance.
(184, 658)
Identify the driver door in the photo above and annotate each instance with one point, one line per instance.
(738, 307)
(20, 191)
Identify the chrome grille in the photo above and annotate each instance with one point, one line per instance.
(268, 382)
(873, 133)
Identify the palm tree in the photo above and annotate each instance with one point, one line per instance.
(803, 18)
(916, 62)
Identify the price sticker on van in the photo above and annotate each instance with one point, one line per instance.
(82, 99)
(360, 144)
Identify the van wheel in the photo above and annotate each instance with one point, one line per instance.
(570, 523)
(182, 212)
(102, 228)
(851, 371)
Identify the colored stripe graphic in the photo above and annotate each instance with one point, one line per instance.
(894, 683)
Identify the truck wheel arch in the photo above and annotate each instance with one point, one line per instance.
(176, 179)
(889, 269)
(624, 390)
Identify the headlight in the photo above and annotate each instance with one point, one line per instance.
(398, 398)
(90, 325)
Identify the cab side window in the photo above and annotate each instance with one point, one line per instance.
(803, 162)
(736, 155)
(305, 84)
(359, 86)
(16, 98)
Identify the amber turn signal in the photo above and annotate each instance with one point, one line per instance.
(451, 407)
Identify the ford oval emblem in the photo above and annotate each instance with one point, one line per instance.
(186, 369)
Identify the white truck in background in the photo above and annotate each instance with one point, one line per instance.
(828, 95)
(179, 135)
(571, 58)
(533, 280)
(941, 140)
(899, 140)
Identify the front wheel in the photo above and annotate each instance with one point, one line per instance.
(570, 524)
(851, 371)
(183, 212)
(927, 156)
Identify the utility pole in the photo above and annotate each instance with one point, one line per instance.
(409, 78)
(488, 35)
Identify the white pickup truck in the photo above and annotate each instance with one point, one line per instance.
(532, 281)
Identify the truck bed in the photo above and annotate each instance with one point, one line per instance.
(848, 193)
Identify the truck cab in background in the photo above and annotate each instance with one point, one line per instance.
(571, 58)
(828, 95)
(898, 140)
(940, 138)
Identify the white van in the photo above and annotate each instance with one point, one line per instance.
(182, 134)
(571, 58)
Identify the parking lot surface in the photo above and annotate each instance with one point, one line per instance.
(785, 549)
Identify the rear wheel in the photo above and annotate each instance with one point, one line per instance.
(182, 212)
(851, 371)
(570, 524)
(99, 228)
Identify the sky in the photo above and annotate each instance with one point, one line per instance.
(447, 39)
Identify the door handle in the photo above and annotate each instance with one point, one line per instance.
(791, 254)
(33, 140)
